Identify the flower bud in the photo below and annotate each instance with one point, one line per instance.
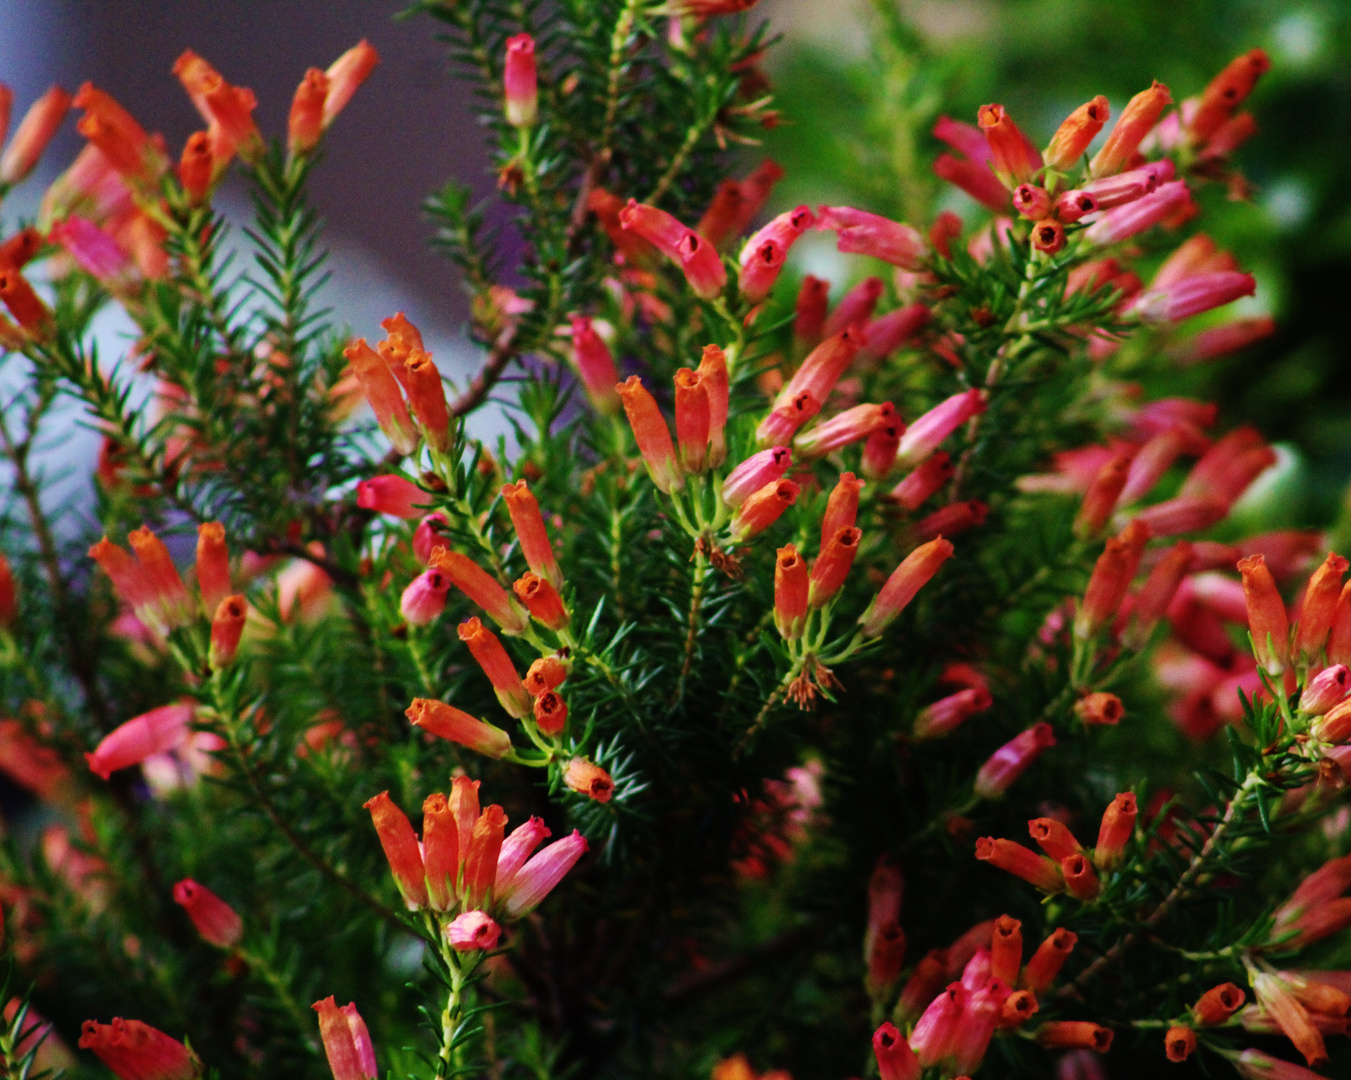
(762, 509)
(1267, 620)
(1139, 116)
(590, 780)
(879, 450)
(1035, 869)
(692, 419)
(447, 722)
(215, 920)
(213, 565)
(521, 82)
(594, 366)
(227, 627)
(133, 1050)
(914, 572)
(822, 369)
(1099, 708)
(497, 665)
(35, 131)
(1319, 610)
(522, 892)
(1325, 690)
(400, 846)
(1115, 832)
(305, 125)
(1070, 142)
(1135, 217)
(345, 75)
(472, 931)
(1080, 879)
(651, 434)
(925, 435)
(381, 390)
(712, 371)
(347, 1042)
(791, 585)
(934, 1032)
(946, 714)
(1012, 759)
(425, 597)
(531, 534)
(1192, 295)
(1049, 958)
(481, 588)
(885, 949)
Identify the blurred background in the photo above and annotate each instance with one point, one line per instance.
(859, 83)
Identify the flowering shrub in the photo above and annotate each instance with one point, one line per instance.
(782, 615)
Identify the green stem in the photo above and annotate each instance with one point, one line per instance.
(701, 565)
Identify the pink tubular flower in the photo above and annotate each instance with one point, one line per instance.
(953, 519)
(887, 333)
(657, 227)
(472, 931)
(652, 435)
(983, 1010)
(823, 368)
(215, 920)
(133, 1050)
(932, 1038)
(1140, 115)
(975, 179)
(1135, 217)
(850, 426)
(784, 420)
(944, 715)
(516, 849)
(156, 732)
(481, 588)
(34, 132)
(594, 365)
(906, 580)
(856, 306)
(425, 597)
(345, 75)
(99, 255)
(392, 495)
(924, 436)
(521, 893)
(755, 472)
(760, 268)
(521, 82)
(428, 537)
(1256, 1065)
(926, 478)
(1033, 203)
(862, 233)
(1113, 191)
(1012, 759)
(879, 450)
(1182, 515)
(347, 1042)
(1320, 890)
(1191, 296)
(447, 722)
(1150, 462)
(1228, 337)
(895, 1059)
(697, 257)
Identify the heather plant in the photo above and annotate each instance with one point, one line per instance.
(777, 617)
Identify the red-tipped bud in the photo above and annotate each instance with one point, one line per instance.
(651, 434)
(1139, 116)
(861, 233)
(1054, 838)
(914, 572)
(1075, 1035)
(542, 601)
(1023, 862)
(531, 534)
(1050, 957)
(497, 665)
(791, 591)
(227, 627)
(521, 82)
(1319, 609)
(347, 1042)
(762, 509)
(447, 722)
(755, 472)
(482, 588)
(215, 920)
(1267, 620)
(401, 849)
(1099, 707)
(1070, 142)
(1012, 759)
(590, 780)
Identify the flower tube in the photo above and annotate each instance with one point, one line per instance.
(497, 665)
(531, 534)
(447, 722)
(217, 922)
(399, 843)
(1012, 759)
(1139, 116)
(754, 473)
(925, 435)
(481, 588)
(862, 233)
(133, 1050)
(524, 890)
(1070, 142)
(792, 585)
(652, 435)
(347, 1042)
(521, 82)
(914, 572)
(156, 732)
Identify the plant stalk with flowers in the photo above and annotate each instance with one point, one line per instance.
(774, 611)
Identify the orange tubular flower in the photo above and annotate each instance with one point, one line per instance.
(589, 780)
(692, 415)
(482, 588)
(823, 368)
(1226, 92)
(1071, 139)
(401, 849)
(345, 74)
(1319, 610)
(791, 590)
(762, 509)
(1139, 116)
(1080, 879)
(34, 132)
(528, 522)
(306, 124)
(1022, 862)
(546, 673)
(480, 859)
(906, 580)
(1006, 949)
(1112, 575)
(1011, 156)
(832, 566)
(164, 585)
(122, 140)
(440, 850)
(227, 109)
(1157, 593)
(447, 722)
(551, 713)
(1102, 495)
(1048, 235)
(841, 507)
(784, 420)
(197, 168)
(1267, 620)
(712, 370)
(347, 1042)
(1118, 825)
(382, 391)
(217, 922)
(1276, 999)
(651, 434)
(23, 302)
(497, 665)
(227, 627)
(133, 1050)
(1179, 1043)
(542, 600)
(1054, 838)
(1049, 958)
(1075, 1035)
(427, 399)
(213, 565)
(1099, 708)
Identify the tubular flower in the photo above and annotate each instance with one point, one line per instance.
(472, 931)
(1099, 708)
(975, 179)
(697, 257)
(531, 534)
(1275, 998)
(712, 370)
(542, 601)
(895, 1059)
(227, 628)
(37, 128)
(841, 507)
(481, 854)
(1217, 1004)
(594, 365)
(305, 126)
(156, 732)
(1080, 879)
(347, 1042)
(861, 233)
(1011, 155)
(122, 140)
(522, 892)
(217, 922)
(425, 597)
(1102, 495)
(9, 608)
(983, 1010)
(589, 780)
(1112, 575)
(1192, 296)
(856, 306)
(1133, 218)
(381, 390)
(850, 426)
(401, 849)
(945, 715)
(1012, 759)
(832, 565)
(521, 82)
(1050, 957)
(925, 435)
(546, 673)
(24, 303)
(98, 254)
(1267, 620)
(345, 75)
(551, 713)
(692, 419)
(822, 369)
(1054, 838)
(914, 572)
(166, 593)
(934, 1032)
(1139, 116)
(1070, 142)
(497, 665)
(1225, 93)
(1325, 690)
(1255, 1065)
(227, 109)
(427, 399)
(1023, 862)
(652, 435)
(762, 509)
(922, 481)
(440, 850)
(1319, 609)
(1118, 826)
(1032, 202)
(1006, 949)
(887, 333)
(755, 472)
(133, 1050)
(879, 450)
(810, 311)
(953, 519)
(885, 951)
(447, 722)
(791, 590)
(481, 588)
(1075, 1035)
(784, 420)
